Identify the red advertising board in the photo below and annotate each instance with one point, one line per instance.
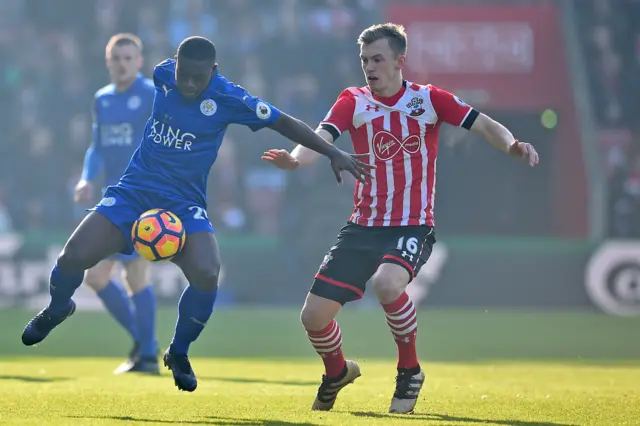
(509, 58)
(471, 47)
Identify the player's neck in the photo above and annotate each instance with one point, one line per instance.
(125, 85)
(391, 90)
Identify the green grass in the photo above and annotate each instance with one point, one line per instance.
(49, 391)
(256, 368)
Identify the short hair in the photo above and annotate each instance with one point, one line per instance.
(394, 33)
(197, 48)
(124, 39)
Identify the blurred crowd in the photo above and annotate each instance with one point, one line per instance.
(613, 55)
(298, 54)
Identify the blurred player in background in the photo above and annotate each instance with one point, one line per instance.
(390, 234)
(120, 113)
(192, 109)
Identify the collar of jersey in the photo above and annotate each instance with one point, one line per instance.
(139, 78)
(391, 100)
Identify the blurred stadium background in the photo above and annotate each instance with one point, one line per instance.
(563, 75)
(529, 263)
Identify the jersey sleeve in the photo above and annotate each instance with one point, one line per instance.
(243, 108)
(451, 109)
(163, 73)
(339, 119)
(93, 159)
(149, 96)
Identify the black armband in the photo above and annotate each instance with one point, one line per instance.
(331, 129)
(471, 118)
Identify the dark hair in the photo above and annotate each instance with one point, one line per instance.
(197, 48)
(395, 33)
(124, 39)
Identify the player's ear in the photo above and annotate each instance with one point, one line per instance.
(402, 59)
(214, 68)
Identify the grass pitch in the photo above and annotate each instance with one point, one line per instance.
(256, 368)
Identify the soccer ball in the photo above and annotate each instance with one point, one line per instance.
(158, 234)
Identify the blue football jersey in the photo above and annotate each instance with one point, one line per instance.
(118, 126)
(183, 136)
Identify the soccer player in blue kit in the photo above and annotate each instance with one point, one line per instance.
(120, 112)
(193, 106)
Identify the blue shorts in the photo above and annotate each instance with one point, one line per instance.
(123, 206)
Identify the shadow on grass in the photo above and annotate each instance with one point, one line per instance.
(31, 379)
(264, 381)
(211, 421)
(446, 418)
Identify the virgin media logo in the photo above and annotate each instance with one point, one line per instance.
(386, 146)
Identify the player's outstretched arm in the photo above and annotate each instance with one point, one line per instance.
(92, 161)
(297, 131)
(300, 156)
(501, 138)
(92, 164)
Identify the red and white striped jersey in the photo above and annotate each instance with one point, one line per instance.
(400, 134)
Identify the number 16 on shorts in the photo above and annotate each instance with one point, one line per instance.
(409, 248)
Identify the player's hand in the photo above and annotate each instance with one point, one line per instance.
(281, 158)
(341, 160)
(525, 151)
(83, 191)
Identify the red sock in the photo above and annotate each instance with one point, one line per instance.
(328, 344)
(402, 319)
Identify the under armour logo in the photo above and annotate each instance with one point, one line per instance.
(374, 108)
(166, 90)
(407, 255)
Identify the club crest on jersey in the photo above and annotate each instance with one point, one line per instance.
(107, 202)
(415, 105)
(326, 260)
(263, 111)
(208, 107)
(386, 146)
(134, 102)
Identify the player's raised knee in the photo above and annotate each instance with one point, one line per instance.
(318, 312)
(76, 257)
(311, 318)
(204, 277)
(389, 282)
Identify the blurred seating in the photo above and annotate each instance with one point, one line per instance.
(612, 47)
(53, 61)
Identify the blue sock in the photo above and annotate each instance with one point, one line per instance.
(62, 285)
(145, 303)
(116, 300)
(194, 309)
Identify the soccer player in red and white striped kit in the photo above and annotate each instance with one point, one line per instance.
(394, 125)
